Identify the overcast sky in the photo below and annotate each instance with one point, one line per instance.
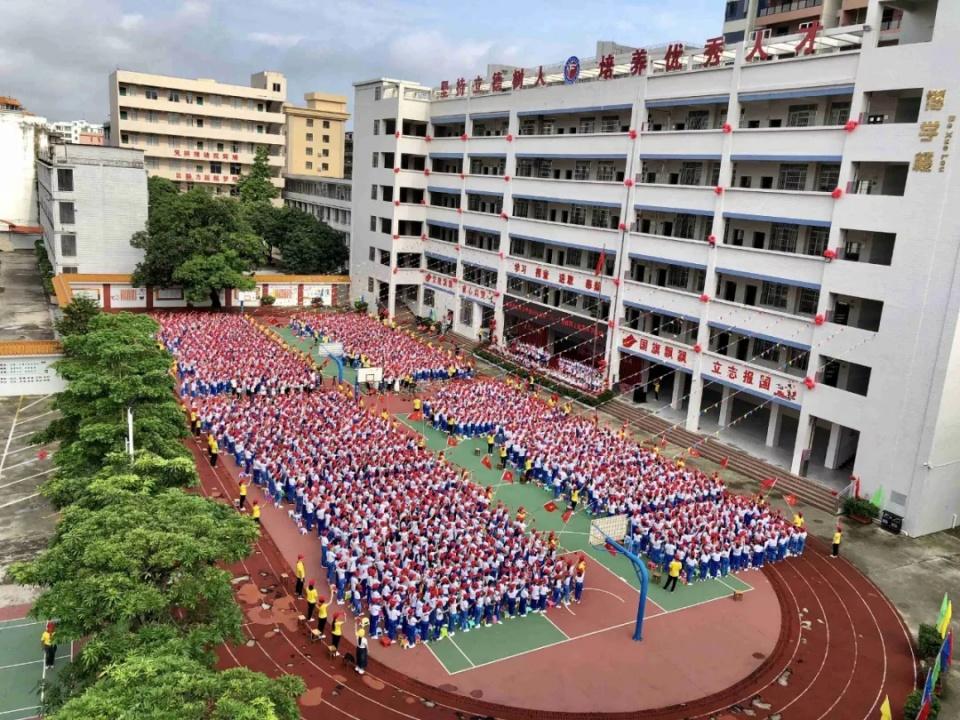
(56, 55)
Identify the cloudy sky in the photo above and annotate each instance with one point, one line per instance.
(56, 55)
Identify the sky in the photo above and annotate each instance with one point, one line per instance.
(56, 55)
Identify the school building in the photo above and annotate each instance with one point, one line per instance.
(764, 230)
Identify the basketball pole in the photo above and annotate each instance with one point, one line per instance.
(643, 574)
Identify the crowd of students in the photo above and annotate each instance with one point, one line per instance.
(673, 512)
(368, 342)
(408, 542)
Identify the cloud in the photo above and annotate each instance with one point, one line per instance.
(274, 40)
(130, 22)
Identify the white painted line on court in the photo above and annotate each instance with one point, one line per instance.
(20, 500)
(20, 450)
(23, 709)
(21, 464)
(555, 625)
(30, 662)
(37, 417)
(6, 449)
(467, 657)
(27, 407)
(26, 624)
(29, 477)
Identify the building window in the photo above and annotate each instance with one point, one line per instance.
(765, 350)
(326, 124)
(124, 139)
(793, 176)
(369, 284)
(260, 129)
(326, 138)
(150, 94)
(773, 295)
(374, 163)
(71, 270)
(801, 115)
(123, 114)
(377, 93)
(373, 223)
(605, 171)
(373, 254)
(309, 151)
(276, 87)
(783, 238)
(817, 238)
(839, 113)
(309, 165)
(123, 89)
(373, 192)
(678, 276)
(309, 137)
(68, 245)
(234, 168)
(582, 170)
(828, 177)
(428, 297)
(325, 152)
(807, 300)
(67, 214)
(376, 127)
(65, 180)
(216, 168)
(199, 168)
(173, 96)
(466, 312)
(324, 166)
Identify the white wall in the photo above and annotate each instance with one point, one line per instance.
(18, 195)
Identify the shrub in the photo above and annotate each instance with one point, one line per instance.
(861, 507)
(928, 642)
(267, 300)
(360, 305)
(316, 302)
(912, 706)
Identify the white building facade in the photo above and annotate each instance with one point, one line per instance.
(92, 200)
(326, 199)
(762, 234)
(78, 131)
(22, 136)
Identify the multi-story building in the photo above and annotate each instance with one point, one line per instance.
(78, 132)
(326, 199)
(92, 199)
(744, 19)
(22, 136)
(199, 132)
(348, 155)
(315, 136)
(763, 233)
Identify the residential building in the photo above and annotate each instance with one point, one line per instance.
(78, 132)
(199, 132)
(769, 230)
(22, 135)
(315, 136)
(744, 19)
(328, 200)
(348, 155)
(92, 199)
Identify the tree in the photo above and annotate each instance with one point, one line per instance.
(255, 186)
(77, 316)
(189, 227)
(140, 559)
(115, 365)
(158, 686)
(309, 246)
(203, 276)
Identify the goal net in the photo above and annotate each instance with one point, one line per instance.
(614, 526)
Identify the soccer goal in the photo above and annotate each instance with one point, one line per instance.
(609, 532)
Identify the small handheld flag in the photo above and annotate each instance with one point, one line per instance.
(550, 506)
(791, 500)
(566, 516)
(486, 462)
(507, 477)
(885, 712)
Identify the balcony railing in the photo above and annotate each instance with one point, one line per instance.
(788, 7)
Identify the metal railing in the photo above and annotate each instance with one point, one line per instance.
(788, 7)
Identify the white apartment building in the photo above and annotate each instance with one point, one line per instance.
(768, 231)
(92, 200)
(79, 132)
(199, 132)
(326, 199)
(22, 136)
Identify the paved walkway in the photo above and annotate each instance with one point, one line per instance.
(24, 310)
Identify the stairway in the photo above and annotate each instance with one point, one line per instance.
(808, 491)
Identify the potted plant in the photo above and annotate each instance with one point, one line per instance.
(360, 305)
(860, 510)
(267, 300)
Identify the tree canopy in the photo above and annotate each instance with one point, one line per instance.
(77, 316)
(307, 245)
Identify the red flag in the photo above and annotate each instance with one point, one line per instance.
(601, 261)
(663, 442)
(629, 341)
(610, 549)
(507, 477)
(791, 500)
(768, 483)
(694, 453)
(452, 441)
(924, 713)
(566, 516)
(486, 462)
(550, 506)
(415, 416)
(724, 461)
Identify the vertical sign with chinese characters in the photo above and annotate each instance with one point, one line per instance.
(929, 132)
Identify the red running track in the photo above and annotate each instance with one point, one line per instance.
(843, 646)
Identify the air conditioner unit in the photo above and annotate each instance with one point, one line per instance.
(765, 33)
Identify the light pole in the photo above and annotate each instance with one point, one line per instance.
(130, 432)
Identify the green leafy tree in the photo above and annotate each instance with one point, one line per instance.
(187, 229)
(142, 558)
(77, 316)
(169, 687)
(309, 246)
(255, 186)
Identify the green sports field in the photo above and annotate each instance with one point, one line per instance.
(21, 668)
(306, 345)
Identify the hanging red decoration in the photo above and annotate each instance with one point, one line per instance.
(621, 227)
(396, 203)
(698, 348)
(837, 193)
(423, 201)
(503, 216)
(809, 382)
(396, 170)
(462, 176)
(851, 125)
(610, 323)
(616, 282)
(506, 178)
(632, 134)
(830, 254)
(718, 190)
(459, 211)
(628, 182)
(724, 461)
(500, 254)
(727, 128)
(464, 137)
(426, 171)
(428, 138)
(712, 239)
(423, 236)
(704, 298)
(396, 237)
(396, 270)
(397, 134)
(509, 137)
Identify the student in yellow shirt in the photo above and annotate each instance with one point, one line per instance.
(255, 512)
(312, 597)
(337, 632)
(798, 521)
(243, 494)
(322, 609)
(214, 450)
(574, 497)
(49, 643)
(490, 441)
(301, 572)
(837, 537)
(362, 644)
(673, 574)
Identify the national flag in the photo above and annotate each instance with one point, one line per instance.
(935, 672)
(924, 713)
(927, 689)
(507, 477)
(550, 506)
(877, 498)
(601, 261)
(694, 453)
(945, 622)
(943, 609)
(610, 549)
(486, 462)
(452, 441)
(946, 650)
(885, 712)
(768, 483)
(566, 516)
(791, 500)
(724, 461)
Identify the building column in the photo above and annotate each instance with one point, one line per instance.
(696, 398)
(105, 298)
(679, 380)
(726, 406)
(803, 441)
(774, 425)
(392, 300)
(832, 459)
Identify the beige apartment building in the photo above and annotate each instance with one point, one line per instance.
(315, 136)
(199, 132)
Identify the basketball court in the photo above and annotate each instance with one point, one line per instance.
(22, 670)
